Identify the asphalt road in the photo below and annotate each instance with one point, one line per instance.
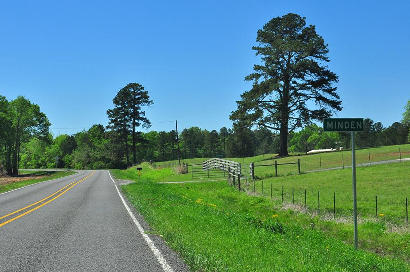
(77, 223)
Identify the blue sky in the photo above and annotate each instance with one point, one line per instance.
(71, 57)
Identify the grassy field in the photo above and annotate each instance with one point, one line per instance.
(309, 162)
(217, 228)
(45, 175)
(389, 182)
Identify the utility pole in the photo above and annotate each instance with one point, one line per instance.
(177, 139)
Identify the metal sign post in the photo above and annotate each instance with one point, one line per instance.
(354, 192)
(352, 125)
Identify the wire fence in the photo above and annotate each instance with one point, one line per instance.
(332, 204)
(294, 165)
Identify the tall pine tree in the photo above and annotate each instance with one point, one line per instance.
(292, 86)
(128, 114)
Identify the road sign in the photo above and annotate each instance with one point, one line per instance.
(352, 125)
(343, 124)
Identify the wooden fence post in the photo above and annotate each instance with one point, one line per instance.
(334, 205)
(376, 207)
(299, 166)
(276, 168)
(305, 198)
(252, 168)
(229, 174)
(282, 194)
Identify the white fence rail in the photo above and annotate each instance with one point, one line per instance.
(231, 167)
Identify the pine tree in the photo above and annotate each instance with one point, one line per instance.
(292, 86)
(127, 115)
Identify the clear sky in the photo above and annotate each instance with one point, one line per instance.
(71, 57)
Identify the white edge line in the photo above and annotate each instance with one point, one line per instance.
(154, 249)
(37, 183)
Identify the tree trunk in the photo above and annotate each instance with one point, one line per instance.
(134, 151)
(15, 155)
(284, 119)
(283, 140)
(9, 168)
(127, 156)
(14, 170)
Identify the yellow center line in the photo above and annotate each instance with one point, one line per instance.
(35, 203)
(45, 203)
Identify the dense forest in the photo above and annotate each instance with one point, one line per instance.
(25, 141)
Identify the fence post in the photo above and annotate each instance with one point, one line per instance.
(334, 205)
(320, 162)
(305, 198)
(299, 166)
(271, 189)
(229, 174)
(276, 168)
(376, 205)
(254, 185)
(282, 194)
(252, 168)
(208, 172)
(239, 182)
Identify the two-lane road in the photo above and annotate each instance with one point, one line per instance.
(77, 223)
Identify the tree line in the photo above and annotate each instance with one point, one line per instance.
(102, 147)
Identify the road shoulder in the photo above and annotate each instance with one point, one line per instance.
(172, 258)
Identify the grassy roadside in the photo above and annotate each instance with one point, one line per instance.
(48, 176)
(215, 228)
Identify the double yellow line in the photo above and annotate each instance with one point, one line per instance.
(43, 201)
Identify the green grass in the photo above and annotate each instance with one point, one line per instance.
(309, 162)
(321, 161)
(389, 182)
(216, 228)
(48, 176)
(157, 175)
